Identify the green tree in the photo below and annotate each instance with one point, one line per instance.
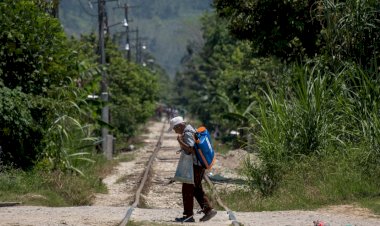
(36, 68)
(197, 85)
(34, 55)
(276, 27)
(224, 76)
(344, 30)
(133, 90)
(20, 133)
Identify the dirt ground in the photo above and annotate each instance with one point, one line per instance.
(162, 199)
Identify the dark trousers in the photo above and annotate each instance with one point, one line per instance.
(189, 191)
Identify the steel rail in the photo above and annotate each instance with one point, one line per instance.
(144, 179)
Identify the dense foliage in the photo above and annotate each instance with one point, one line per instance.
(34, 54)
(276, 27)
(47, 119)
(35, 61)
(299, 79)
(134, 92)
(20, 134)
(223, 77)
(294, 29)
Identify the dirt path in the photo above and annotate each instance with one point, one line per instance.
(163, 199)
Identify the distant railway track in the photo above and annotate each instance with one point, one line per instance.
(142, 184)
(143, 180)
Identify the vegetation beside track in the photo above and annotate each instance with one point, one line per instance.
(50, 110)
(54, 188)
(301, 87)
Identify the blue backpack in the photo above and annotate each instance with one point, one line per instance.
(203, 148)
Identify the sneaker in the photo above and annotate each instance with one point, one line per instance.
(184, 219)
(210, 214)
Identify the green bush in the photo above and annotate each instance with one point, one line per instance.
(33, 54)
(54, 188)
(134, 91)
(320, 114)
(20, 134)
(34, 62)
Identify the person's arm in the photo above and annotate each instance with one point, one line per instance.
(187, 148)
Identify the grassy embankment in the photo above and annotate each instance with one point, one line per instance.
(56, 188)
(38, 187)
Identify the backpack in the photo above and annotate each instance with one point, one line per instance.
(203, 148)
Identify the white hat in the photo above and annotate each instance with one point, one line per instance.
(175, 121)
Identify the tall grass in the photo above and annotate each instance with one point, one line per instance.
(350, 29)
(311, 183)
(324, 134)
(365, 93)
(292, 125)
(271, 146)
(66, 143)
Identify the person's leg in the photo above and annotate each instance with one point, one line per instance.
(199, 193)
(188, 199)
(201, 196)
(188, 203)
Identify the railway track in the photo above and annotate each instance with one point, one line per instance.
(157, 190)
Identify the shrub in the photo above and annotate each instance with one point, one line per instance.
(320, 116)
(20, 135)
(34, 60)
(33, 54)
(134, 91)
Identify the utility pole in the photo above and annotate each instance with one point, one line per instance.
(106, 27)
(103, 87)
(126, 24)
(137, 45)
(127, 31)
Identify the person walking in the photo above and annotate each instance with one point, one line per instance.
(186, 141)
